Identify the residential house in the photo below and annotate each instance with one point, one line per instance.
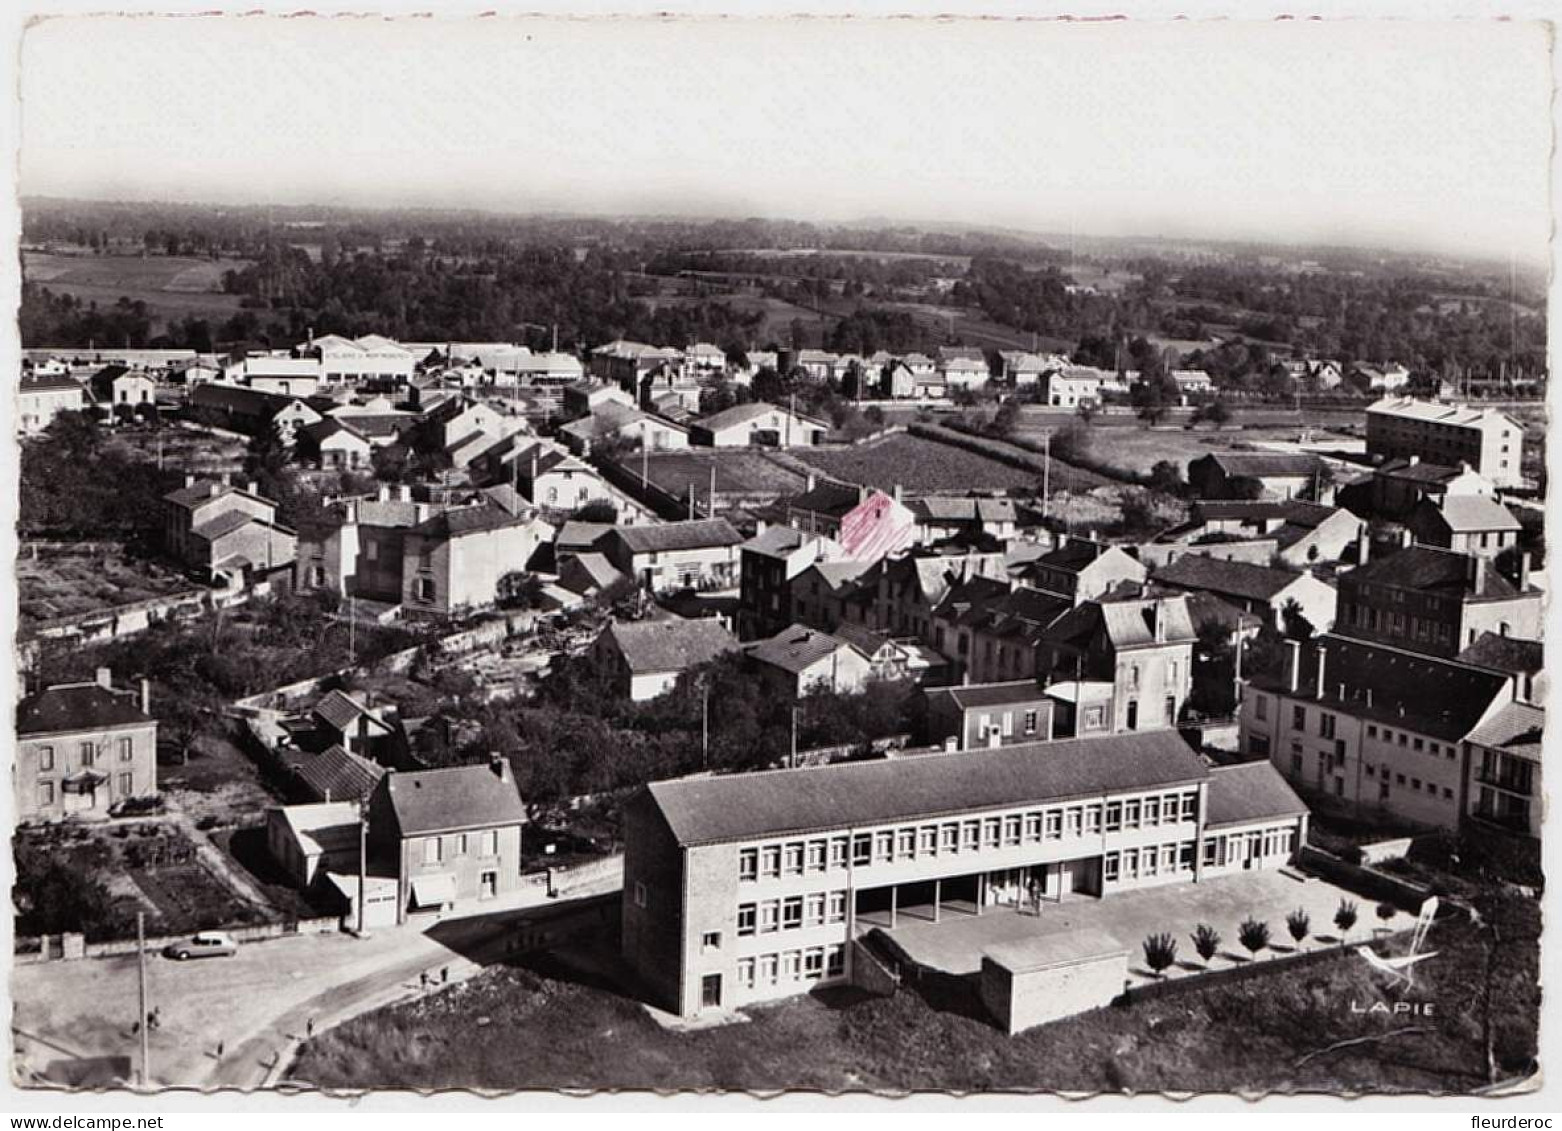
(819, 365)
(908, 588)
(1297, 533)
(455, 561)
(583, 397)
(450, 837)
(289, 376)
(927, 385)
(339, 444)
(332, 774)
(1142, 648)
(1399, 484)
(1504, 752)
(990, 628)
(799, 659)
(592, 577)
(744, 888)
(1391, 378)
(1264, 591)
(1082, 569)
(359, 726)
(1427, 599)
(868, 524)
(943, 517)
(757, 424)
(643, 659)
(246, 409)
(218, 528)
(41, 398)
(123, 391)
(1467, 524)
(1490, 441)
(962, 370)
(705, 361)
(892, 659)
(976, 716)
(1192, 383)
(698, 554)
(827, 595)
(556, 481)
(307, 841)
(1073, 386)
(82, 749)
(896, 381)
(768, 563)
(612, 421)
(1277, 475)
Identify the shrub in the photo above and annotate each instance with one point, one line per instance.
(1298, 923)
(1206, 940)
(1254, 935)
(1160, 951)
(1345, 917)
(1386, 911)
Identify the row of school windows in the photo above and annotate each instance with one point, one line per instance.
(809, 965)
(438, 849)
(1143, 863)
(798, 858)
(794, 913)
(1233, 849)
(1426, 631)
(87, 753)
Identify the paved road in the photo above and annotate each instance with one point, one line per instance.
(257, 1004)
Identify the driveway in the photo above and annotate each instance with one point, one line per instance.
(256, 1005)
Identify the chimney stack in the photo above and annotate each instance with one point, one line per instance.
(189, 480)
(500, 767)
(1323, 655)
(226, 479)
(106, 677)
(146, 696)
(1476, 573)
(1363, 545)
(1294, 664)
(813, 481)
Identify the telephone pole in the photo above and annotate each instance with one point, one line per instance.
(146, 1063)
(363, 861)
(1046, 473)
(705, 727)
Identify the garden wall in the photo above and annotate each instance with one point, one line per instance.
(57, 947)
(1367, 881)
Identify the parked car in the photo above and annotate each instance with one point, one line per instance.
(206, 944)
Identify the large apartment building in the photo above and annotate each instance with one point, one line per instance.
(746, 888)
(1489, 441)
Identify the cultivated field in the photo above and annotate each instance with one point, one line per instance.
(738, 472)
(919, 466)
(68, 584)
(192, 449)
(175, 287)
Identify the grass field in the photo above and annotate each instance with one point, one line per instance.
(175, 287)
(69, 584)
(918, 466)
(738, 472)
(546, 1028)
(191, 449)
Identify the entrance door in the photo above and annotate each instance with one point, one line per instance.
(1252, 859)
(487, 885)
(710, 991)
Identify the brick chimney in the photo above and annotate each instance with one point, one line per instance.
(1323, 656)
(146, 696)
(499, 765)
(1363, 545)
(1294, 664)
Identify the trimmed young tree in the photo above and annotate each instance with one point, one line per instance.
(1386, 912)
(1206, 940)
(1345, 918)
(1298, 923)
(1254, 935)
(1160, 951)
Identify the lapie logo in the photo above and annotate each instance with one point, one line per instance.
(1401, 969)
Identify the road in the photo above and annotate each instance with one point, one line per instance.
(234, 1022)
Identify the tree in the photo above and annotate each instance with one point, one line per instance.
(519, 589)
(1294, 622)
(1298, 923)
(1006, 418)
(1386, 911)
(598, 510)
(1087, 412)
(1206, 940)
(1160, 951)
(1345, 918)
(1244, 488)
(1254, 935)
(1166, 477)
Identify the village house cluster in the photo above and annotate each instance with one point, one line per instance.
(1373, 631)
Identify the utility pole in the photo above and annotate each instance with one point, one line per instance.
(352, 629)
(363, 861)
(146, 1063)
(711, 509)
(1046, 473)
(705, 727)
(792, 762)
(691, 499)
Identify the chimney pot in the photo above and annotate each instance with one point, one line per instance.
(189, 480)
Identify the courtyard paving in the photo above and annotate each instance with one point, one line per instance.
(955, 943)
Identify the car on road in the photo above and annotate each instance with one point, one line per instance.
(205, 944)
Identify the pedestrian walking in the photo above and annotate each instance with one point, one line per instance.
(309, 1029)
(220, 1047)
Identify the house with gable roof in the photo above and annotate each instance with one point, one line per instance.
(82, 749)
(645, 658)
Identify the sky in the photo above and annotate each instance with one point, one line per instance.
(1399, 134)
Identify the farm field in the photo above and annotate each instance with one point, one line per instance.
(55, 584)
(192, 449)
(175, 287)
(1137, 450)
(919, 466)
(738, 472)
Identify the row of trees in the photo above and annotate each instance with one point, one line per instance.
(1160, 950)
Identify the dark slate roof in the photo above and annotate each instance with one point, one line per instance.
(453, 523)
(743, 413)
(1426, 694)
(78, 706)
(575, 533)
(1249, 791)
(854, 794)
(860, 636)
(32, 383)
(696, 534)
(1420, 471)
(777, 541)
(1297, 512)
(452, 798)
(829, 498)
(1260, 465)
(1207, 609)
(795, 648)
(671, 645)
(338, 774)
(1074, 555)
(1431, 568)
(947, 508)
(225, 523)
(339, 710)
(1505, 654)
(1240, 579)
(988, 694)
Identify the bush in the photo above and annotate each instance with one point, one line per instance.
(1345, 917)
(1254, 935)
(1160, 951)
(1206, 940)
(1386, 911)
(1298, 923)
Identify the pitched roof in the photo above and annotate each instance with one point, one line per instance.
(1261, 465)
(225, 523)
(34, 383)
(583, 573)
(743, 413)
(1516, 727)
(669, 645)
(1238, 579)
(1294, 511)
(338, 774)
(777, 541)
(857, 794)
(1075, 554)
(1505, 654)
(951, 508)
(1434, 569)
(340, 710)
(1205, 609)
(828, 497)
(578, 533)
(861, 637)
(471, 519)
(1464, 513)
(695, 534)
(1249, 791)
(796, 648)
(78, 706)
(452, 798)
(1419, 471)
(1409, 690)
(988, 694)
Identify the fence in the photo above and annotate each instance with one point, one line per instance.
(52, 948)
